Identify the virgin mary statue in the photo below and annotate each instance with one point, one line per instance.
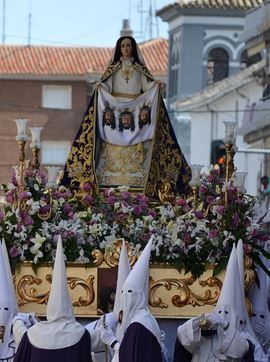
(126, 137)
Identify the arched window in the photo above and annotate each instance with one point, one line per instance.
(246, 61)
(218, 65)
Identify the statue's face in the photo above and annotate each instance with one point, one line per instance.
(126, 48)
(126, 121)
(144, 114)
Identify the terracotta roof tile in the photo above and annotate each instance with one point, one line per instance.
(46, 60)
(214, 4)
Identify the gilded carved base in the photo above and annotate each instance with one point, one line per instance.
(172, 294)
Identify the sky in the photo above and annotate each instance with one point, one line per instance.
(78, 22)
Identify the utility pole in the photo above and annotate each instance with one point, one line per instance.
(4, 22)
(29, 23)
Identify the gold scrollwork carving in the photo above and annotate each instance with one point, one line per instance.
(186, 295)
(98, 257)
(111, 256)
(32, 296)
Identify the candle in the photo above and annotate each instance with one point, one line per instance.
(52, 176)
(230, 134)
(21, 130)
(35, 131)
(239, 181)
(196, 174)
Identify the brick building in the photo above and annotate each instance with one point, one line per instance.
(50, 86)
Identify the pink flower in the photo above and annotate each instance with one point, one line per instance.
(220, 210)
(186, 238)
(180, 202)
(213, 233)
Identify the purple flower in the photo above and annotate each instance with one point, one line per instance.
(14, 251)
(143, 205)
(29, 173)
(210, 178)
(108, 192)
(210, 199)
(111, 200)
(152, 213)
(220, 210)
(235, 220)
(19, 228)
(10, 197)
(2, 216)
(186, 208)
(88, 199)
(23, 195)
(28, 221)
(137, 210)
(199, 215)
(86, 187)
(14, 179)
(67, 208)
(202, 189)
(44, 209)
(145, 199)
(43, 176)
(125, 195)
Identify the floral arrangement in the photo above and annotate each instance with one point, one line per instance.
(185, 236)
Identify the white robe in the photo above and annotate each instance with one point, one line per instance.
(228, 345)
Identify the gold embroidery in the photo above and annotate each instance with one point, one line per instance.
(125, 95)
(120, 165)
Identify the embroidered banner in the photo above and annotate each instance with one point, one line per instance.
(127, 123)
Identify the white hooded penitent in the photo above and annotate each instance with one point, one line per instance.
(123, 272)
(61, 329)
(258, 297)
(7, 308)
(134, 297)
